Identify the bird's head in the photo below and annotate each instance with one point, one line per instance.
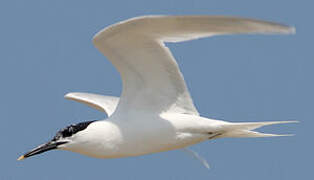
(62, 139)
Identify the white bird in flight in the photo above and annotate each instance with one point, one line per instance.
(155, 112)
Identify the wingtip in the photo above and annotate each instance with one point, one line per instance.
(283, 135)
(70, 95)
(291, 30)
(286, 122)
(284, 29)
(67, 95)
(292, 121)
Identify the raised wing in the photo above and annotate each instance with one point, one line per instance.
(151, 78)
(106, 104)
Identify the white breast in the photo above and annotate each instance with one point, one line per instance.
(133, 137)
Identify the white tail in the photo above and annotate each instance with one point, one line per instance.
(245, 129)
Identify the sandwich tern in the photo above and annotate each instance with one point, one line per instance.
(155, 111)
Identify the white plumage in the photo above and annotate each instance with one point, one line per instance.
(155, 111)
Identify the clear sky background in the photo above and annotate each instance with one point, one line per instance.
(46, 52)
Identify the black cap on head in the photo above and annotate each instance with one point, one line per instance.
(58, 139)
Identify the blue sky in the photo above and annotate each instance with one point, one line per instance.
(46, 52)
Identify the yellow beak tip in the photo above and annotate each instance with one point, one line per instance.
(20, 158)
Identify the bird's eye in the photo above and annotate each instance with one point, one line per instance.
(67, 132)
(70, 130)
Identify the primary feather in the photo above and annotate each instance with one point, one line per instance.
(151, 78)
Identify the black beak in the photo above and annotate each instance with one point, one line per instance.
(42, 148)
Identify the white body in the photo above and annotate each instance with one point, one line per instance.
(155, 112)
(132, 137)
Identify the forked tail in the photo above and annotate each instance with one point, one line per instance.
(245, 129)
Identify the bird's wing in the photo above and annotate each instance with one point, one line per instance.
(106, 104)
(150, 75)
